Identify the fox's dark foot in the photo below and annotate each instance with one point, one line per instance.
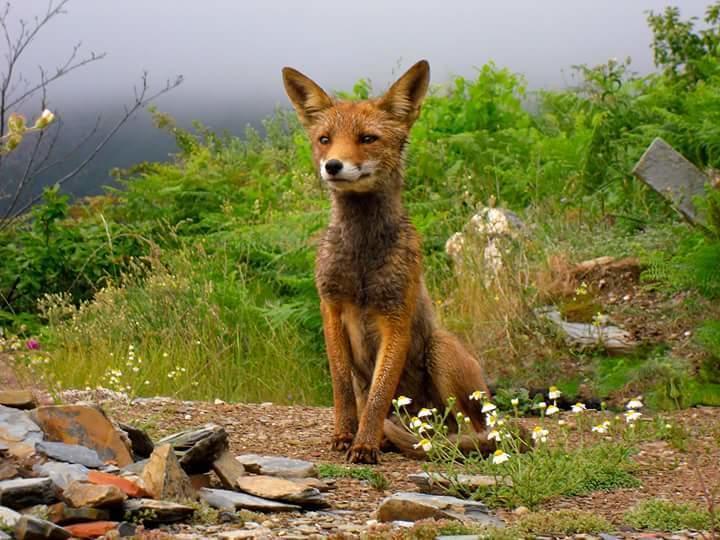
(363, 453)
(342, 442)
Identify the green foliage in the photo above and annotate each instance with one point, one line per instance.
(374, 478)
(249, 209)
(561, 522)
(664, 515)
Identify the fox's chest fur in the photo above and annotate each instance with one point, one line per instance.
(363, 262)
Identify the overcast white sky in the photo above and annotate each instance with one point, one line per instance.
(231, 51)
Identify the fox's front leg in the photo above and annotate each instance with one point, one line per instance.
(390, 364)
(338, 352)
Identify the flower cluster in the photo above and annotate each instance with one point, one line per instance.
(17, 128)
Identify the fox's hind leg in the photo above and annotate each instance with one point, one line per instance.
(456, 373)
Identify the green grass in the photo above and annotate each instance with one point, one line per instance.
(374, 478)
(664, 515)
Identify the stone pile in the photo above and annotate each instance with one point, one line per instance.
(69, 471)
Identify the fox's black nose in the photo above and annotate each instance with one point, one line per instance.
(333, 166)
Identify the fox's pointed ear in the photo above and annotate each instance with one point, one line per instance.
(404, 98)
(306, 96)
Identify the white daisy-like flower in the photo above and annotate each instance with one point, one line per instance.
(477, 395)
(635, 403)
(541, 405)
(631, 416)
(561, 422)
(402, 401)
(415, 422)
(540, 434)
(424, 412)
(600, 428)
(491, 419)
(552, 409)
(494, 435)
(425, 444)
(500, 456)
(579, 407)
(488, 407)
(514, 402)
(554, 393)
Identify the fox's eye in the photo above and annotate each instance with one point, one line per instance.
(367, 139)
(324, 139)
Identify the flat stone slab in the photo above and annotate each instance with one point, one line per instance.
(61, 513)
(17, 399)
(666, 171)
(70, 453)
(156, 512)
(232, 500)
(280, 489)
(24, 492)
(18, 432)
(86, 426)
(277, 466)
(80, 495)
(407, 506)
(33, 528)
(62, 474)
(197, 449)
(582, 335)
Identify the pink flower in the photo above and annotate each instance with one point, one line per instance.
(32, 344)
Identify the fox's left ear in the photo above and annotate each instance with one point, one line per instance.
(404, 98)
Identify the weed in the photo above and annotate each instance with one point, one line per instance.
(561, 522)
(664, 515)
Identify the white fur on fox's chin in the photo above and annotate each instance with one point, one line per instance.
(350, 173)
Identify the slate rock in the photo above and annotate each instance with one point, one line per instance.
(18, 432)
(197, 449)
(223, 499)
(70, 453)
(84, 425)
(164, 478)
(141, 443)
(280, 489)
(80, 494)
(24, 492)
(674, 177)
(277, 466)
(62, 474)
(17, 399)
(135, 468)
(127, 486)
(152, 512)
(33, 528)
(93, 529)
(407, 506)
(259, 533)
(228, 469)
(60, 513)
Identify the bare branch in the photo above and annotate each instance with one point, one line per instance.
(142, 99)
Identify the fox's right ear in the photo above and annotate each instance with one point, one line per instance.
(306, 96)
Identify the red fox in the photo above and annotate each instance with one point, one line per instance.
(380, 330)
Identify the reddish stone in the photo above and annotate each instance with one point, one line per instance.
(84, 425)
(94, 529)
(200, 481)
(128, 487)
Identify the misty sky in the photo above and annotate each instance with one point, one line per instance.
(231, 51)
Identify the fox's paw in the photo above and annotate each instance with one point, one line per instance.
(341, 442)
(363, 453)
